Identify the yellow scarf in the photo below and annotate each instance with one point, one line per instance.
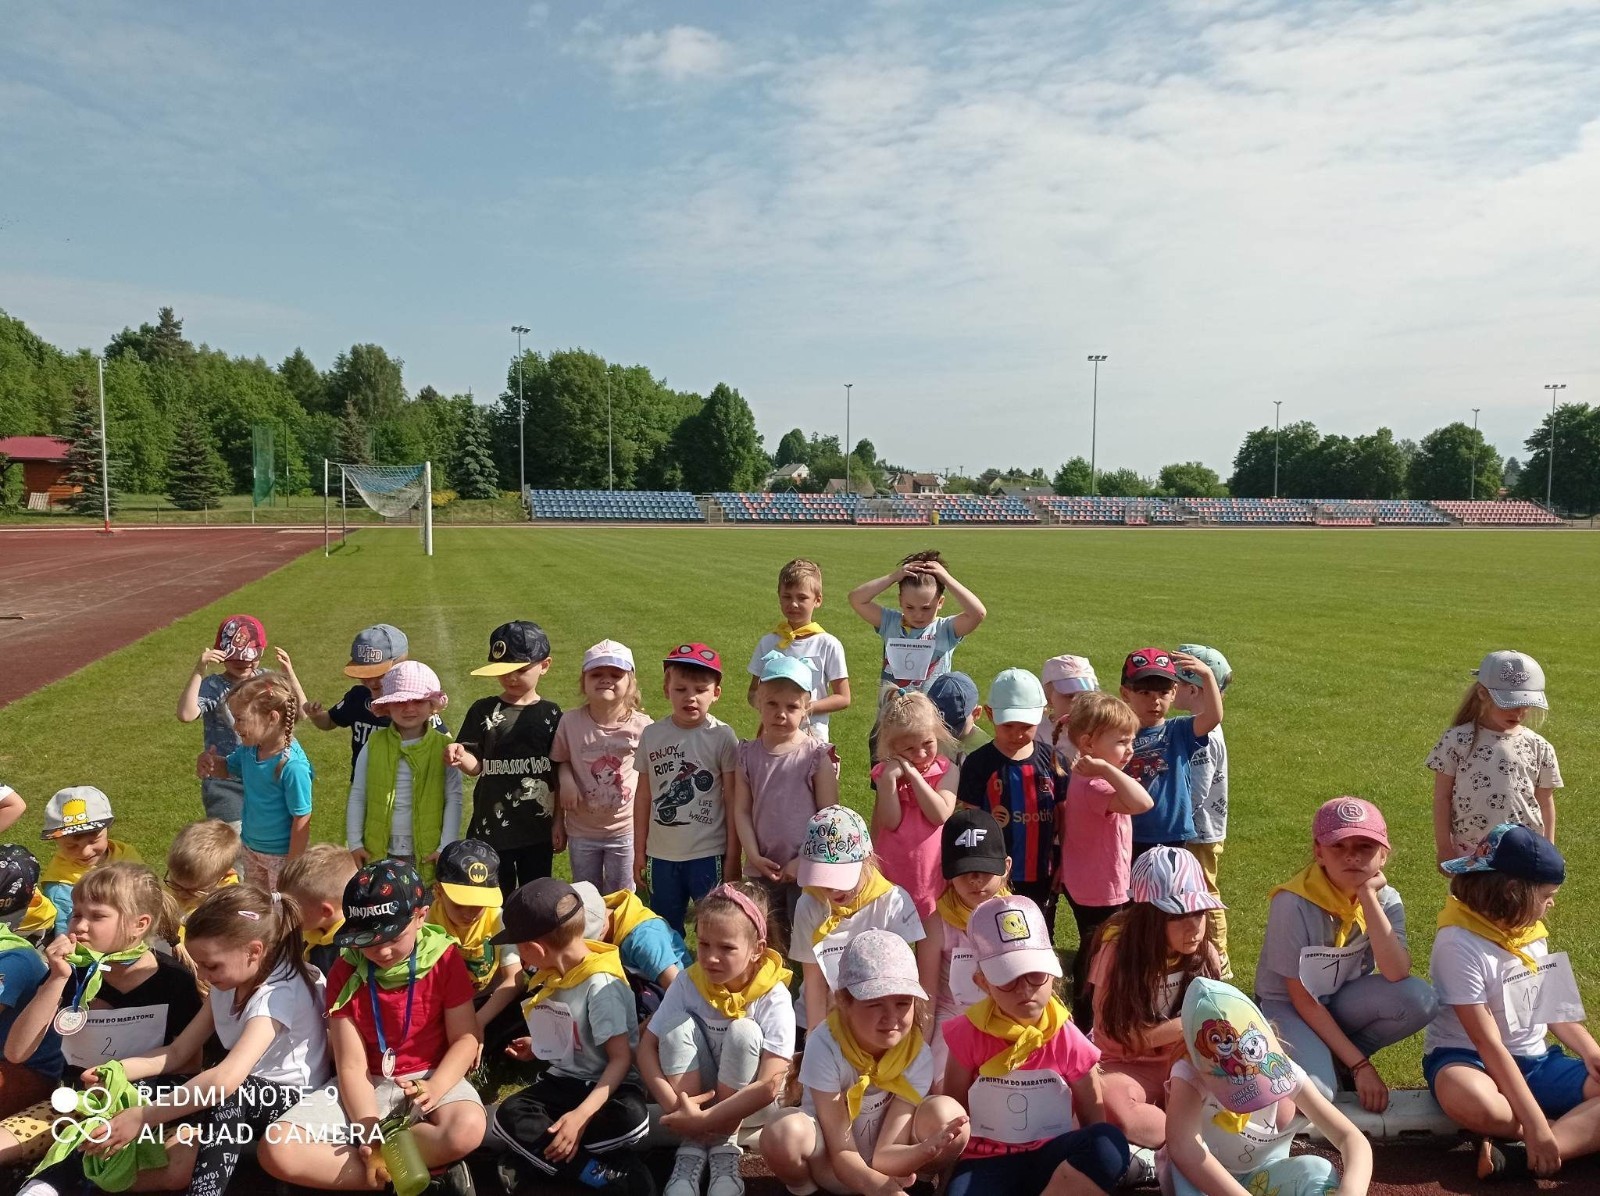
(787, 635)
(322, 938)
(473, 938)
(230, 877)
(957, 914)
(1313, 884)
(41, 914)
(873, 886)
(61, 870)
(628, 913)
(603, 959)
(1456, 913)
(1021, 1040)
(731, 1003)
(886, 1073)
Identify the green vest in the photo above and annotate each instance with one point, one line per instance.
(426, 760)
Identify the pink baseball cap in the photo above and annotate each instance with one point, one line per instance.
(410, 681)
(608, 654)
(1069, 674)
(1170, 879)
(1348, 818)
(1011, 939)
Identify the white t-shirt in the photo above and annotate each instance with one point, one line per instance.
(684, 767)
(400, 820)
(1469, 970)
(773, 1011)
(823, 1067)
(894, 912)
(298, 1055)
(1263, 1140)
(1208, 789)
(1494, 777)
(823, 653)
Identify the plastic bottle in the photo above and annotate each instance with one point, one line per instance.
(403, 1159)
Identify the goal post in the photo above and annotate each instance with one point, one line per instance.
(390, 490)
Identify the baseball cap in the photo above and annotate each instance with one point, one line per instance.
(1513, 680)
(410, 681)
(241, 637)
(1170, 879)
(378, 903)
(1232, 1047)
(77, 811)
(595, 910)
(699, 656)
(1069, 674)
(375, 650)
(1516, 851)
(536, 909)
(879, 964)
(1144, 663)
(19, 877)
(972, 841)
(608, 654)
(1011, 940)
(835, 847)
(514, 646)
(469, 873)
(1016, 697)
(955, 696)
(1347, 818)
(1212, 659)
(775, 666)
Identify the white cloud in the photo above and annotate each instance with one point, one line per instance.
(678, 54)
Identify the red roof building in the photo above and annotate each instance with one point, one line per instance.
(44, 464)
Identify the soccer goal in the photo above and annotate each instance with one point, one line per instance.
(390, 490)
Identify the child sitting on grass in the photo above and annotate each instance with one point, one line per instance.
(77, 821)
(317, 881)
(200, 861)
(467, 906)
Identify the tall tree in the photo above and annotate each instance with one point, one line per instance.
(305, 381)
(83, 457)
(355, 438)
(792, 449)
(196, 475)
(161, 343)
(1072, 479)
(475, 475)
(1252, 464)
(1512, 475)
(1575, 481)
(1444, 464)
(368, 377)
(1124, 483)
(1189, 479)
(720, 447)
(1380, 467)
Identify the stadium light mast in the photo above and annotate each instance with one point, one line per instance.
(105, 467)
(1094, 421)
(1277, 436)
(847, 491)
(1550, 472)
(522, 472)
(610, 483)
(1472, 477)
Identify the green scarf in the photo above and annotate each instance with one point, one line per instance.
(432, 943)
(82, 957)
(426, 759)
(118, 1171)
(10, 940)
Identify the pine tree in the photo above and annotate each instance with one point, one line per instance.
(476, 474)
(355, 438)
(196, 475)
(83, 458)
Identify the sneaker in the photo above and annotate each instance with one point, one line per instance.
(688, 1169)
(621, 1174)
(1141, 1172)
(725, 1177)
(454, 1180)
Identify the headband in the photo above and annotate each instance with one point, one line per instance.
(745, 904)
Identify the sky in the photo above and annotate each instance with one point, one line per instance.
(1377, 213)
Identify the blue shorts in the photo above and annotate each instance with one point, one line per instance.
(1097, 1152)
(1555, 1078)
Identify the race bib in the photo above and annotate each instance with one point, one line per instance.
(1547, 994)
(1325, 970)
(1254, 1146)
(550, 1027)
(964, 990)
(116, 1034)
(1025, 1106)
(909, 660)
(829, 952)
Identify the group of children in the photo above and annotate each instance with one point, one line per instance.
(340, 1001)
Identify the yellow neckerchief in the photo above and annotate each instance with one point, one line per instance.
(1312, 883)
(787, 635)
(322, 938)
(732, 1003)
(603, 959)
(41, 914)
(628, 913)
(1458, 913)
(886, 1073)
(61, 870)
(955, 912)
(473, 938)
(873, 886)
(1021, 1040)
(230, 877)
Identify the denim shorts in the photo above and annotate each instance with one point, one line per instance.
(1555, 1078)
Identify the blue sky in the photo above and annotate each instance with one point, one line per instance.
(1380, 213)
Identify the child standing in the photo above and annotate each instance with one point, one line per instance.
(240, 644)
(506, 742)
(956, 697)
(276, 774)
(1064, 678)
(595, 752)
(405, 800)
(973, 860)
(1335, 971)
(683, 832)
(1097, 826)
(375, 651)
(31, 1078)
(77, 821)
(801, 638)
(316, 881)
(1208, 790)
(1014, 778)
(1019, 1064)
(1164, 746)
(784, 775)
(1489, 766)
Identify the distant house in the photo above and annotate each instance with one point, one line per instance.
(788, 476)
(44, 465)
(862, 486)
(916, 483)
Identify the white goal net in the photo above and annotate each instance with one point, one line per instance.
(390, 490)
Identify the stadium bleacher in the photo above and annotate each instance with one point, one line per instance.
(1518, 512)
(1251, 511)
(785, 507)
(977, 508)
(1103, 509)
(650, 506)
(1366, 512)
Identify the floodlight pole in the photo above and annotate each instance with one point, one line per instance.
(1472, 478)
(1550, 472)
(1277, 435)
(326, 530)
(522, 473)
(610, 477)
(105, 468)
(1094, 424)
(847, 491)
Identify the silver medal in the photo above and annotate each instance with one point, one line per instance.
(387, 1065)
(71, 1019)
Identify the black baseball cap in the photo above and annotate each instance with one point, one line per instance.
(1515, 851)
(19, 877)
(469, 873)
(379, 902)
(972, 842)
(536, 909)
(514, 646)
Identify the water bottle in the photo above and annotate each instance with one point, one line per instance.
(403, 1158)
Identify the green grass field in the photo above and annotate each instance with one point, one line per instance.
(1350, 651)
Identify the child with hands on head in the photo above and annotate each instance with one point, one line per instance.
(802, 639)
(1164, 747)
(78, 822)
(240, 644)
(1490, 766)
(867, 1123)
(975, 866)
(717, 1051)
(1335, 971)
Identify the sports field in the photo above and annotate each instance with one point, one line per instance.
(1350, 651)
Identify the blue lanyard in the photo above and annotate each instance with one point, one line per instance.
(377, 1015)
(95, 966)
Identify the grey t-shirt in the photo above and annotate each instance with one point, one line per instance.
(590, 1015)
(1293, 923)
(216, 721)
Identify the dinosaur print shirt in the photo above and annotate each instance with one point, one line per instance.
(685, 767)
(514, 799)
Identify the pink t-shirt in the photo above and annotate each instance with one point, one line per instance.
(1069, 1054)
(602, 762)
(1096, 845)
(782, 793)
(910, 852)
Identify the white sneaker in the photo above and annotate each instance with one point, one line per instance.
(688, 1168)
(1141, 1172)
(725, 1177)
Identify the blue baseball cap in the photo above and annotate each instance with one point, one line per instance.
(1016, 697)
(1514, 850)
(1212, 659)
(956, 697)
(775, 666)
(376, 650)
